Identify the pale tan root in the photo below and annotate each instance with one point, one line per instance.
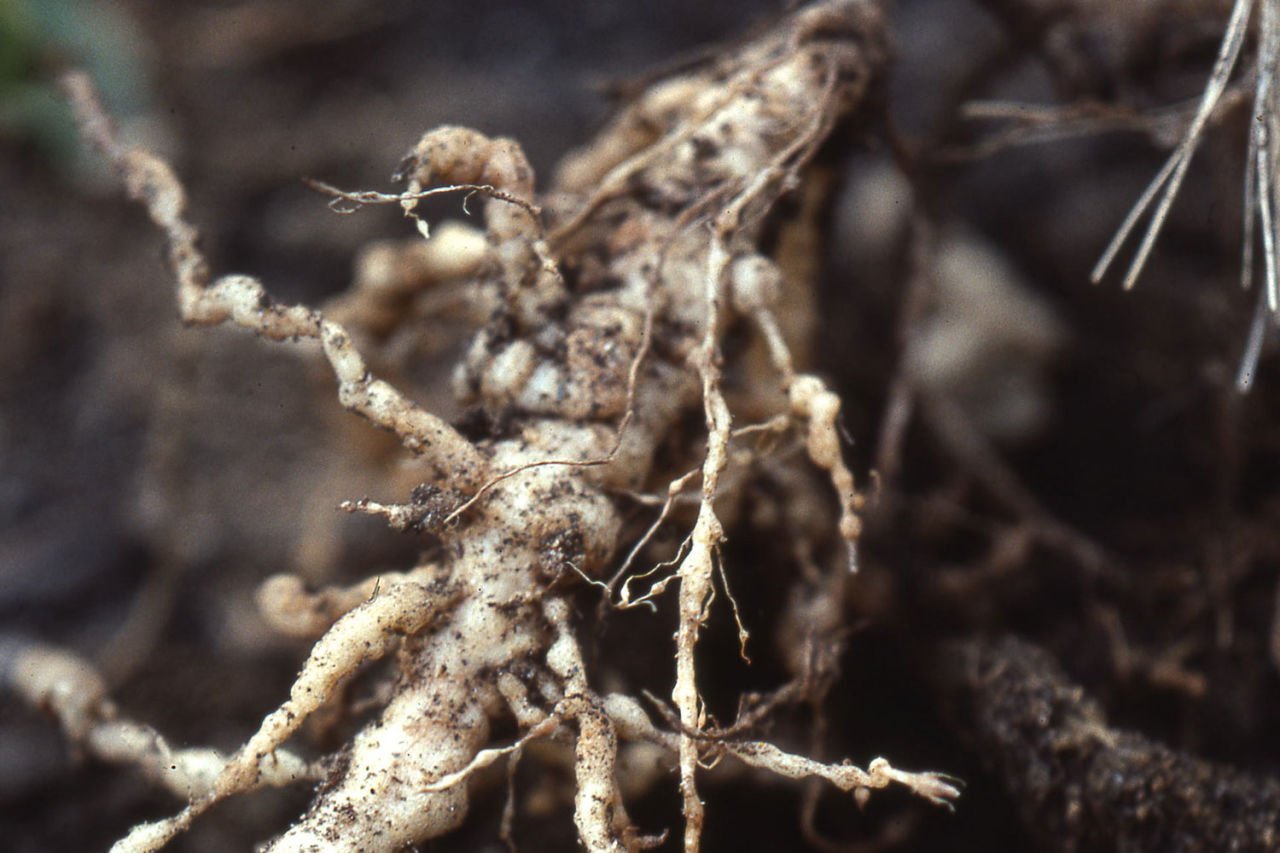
(243, 301)
(696, 571)
(385, 798)
(756, 288)
(389, 274)
(366, 633)
(599, 812)
(71, 689)
(633, 723)
(583, 412)
(937, 788)
(291, 610)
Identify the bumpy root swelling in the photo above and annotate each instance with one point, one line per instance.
(658, 222)
(1082, 785)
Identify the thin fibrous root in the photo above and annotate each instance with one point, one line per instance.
(71, 689)
(756, 283)
(1260, 191)
(1260, 182)
(244, 302)
(937, 788)
(940, 789)
(696, 571)
(1168, 180)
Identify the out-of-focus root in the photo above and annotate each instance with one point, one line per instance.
(72, 690)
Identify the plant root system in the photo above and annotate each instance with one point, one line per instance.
(612, 299)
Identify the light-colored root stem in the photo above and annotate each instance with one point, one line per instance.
(937, 788)
(72, 690)
(557, 368)
(384, 797)
(366, 633)
(599, 813)
(243, 301)
(820, 407)
(1166, 184)
(290, 609)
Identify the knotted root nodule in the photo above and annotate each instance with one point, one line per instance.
(658, 221)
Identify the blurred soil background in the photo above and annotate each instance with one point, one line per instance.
(1075, 467)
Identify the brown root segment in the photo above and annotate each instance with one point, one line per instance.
(1083, 785)
(605, 332)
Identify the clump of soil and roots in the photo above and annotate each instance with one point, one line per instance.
(767, 449)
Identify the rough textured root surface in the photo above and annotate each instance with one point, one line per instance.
(1043, 736)
(607, 328)
(243, 301)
